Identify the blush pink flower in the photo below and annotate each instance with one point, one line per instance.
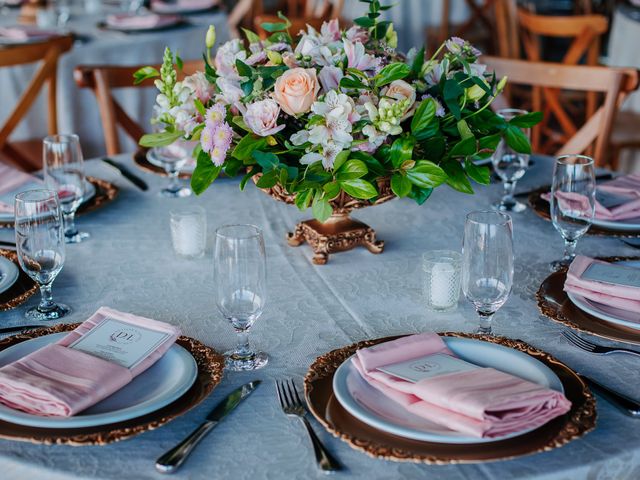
(198, 83)
(262, 117)
(206, 138)
(330, 77)
(296, 90)
(222, 136)
(357, 58)
(215, 114)
(330, 31)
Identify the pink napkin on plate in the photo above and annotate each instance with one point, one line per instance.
(140, 22)
(61, 381)
(619, 296)
(22, 33)
(182, 5)
(483, 403)
(626, 186)
(10, 180)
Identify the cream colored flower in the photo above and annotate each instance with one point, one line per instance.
(296, 90)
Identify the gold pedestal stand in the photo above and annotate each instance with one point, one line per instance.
(340, 232)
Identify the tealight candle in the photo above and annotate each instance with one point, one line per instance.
(189, 232)
(441, 279)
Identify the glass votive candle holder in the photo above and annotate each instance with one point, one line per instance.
(189, 231)
(442, 279)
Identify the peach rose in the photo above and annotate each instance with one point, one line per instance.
(296, 90)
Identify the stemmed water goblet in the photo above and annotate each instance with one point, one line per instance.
(487, 263)
(572, 202)
(240, 288)
(41, 247)
(510, 165)
(64, 174)
(172, 159)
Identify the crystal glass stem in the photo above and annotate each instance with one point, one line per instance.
(174, 183)
(243, 349)
(569, 250)
(46, 298)
(509, 187)
(485, 322)
(70, 229)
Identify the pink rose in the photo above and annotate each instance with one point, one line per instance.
(296, 90)
(262, 117)
(401, 90)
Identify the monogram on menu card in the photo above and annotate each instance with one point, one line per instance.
(427, 367)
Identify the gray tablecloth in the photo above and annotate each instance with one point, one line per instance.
(128, 264)
(78, 109)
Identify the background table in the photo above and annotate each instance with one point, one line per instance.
(78, 109)
(128, 264)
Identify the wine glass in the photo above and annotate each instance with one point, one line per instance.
(172, 158)
(510, 166)
(487, 263)
(64, 173)
(240, 286)
(40, 247)
(573, 201)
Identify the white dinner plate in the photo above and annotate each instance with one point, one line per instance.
(631, 224)
(162, 383)
(605, 312)
(9, 273)
(8, 198)
(375, 409)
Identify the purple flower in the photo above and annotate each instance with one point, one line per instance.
(215, 114)
(222, 136)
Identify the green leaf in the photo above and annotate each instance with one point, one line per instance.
(418, 62)
(420, 195)
(478, 174)
(244, 70)
(517, 140)
(401, 150)
(423, 116)
(267, 160)
(251, 36)
(331, 190)
(303, 199)
(199, 107)
(239, 122)
(143, 74)
(232, 166)
(247, 145)
(351, 82)
(274, 27)
(246, 177)
(179, 62)
(400, 185)
(464, 148)
(393, 71)
(456, 176)
(359, 188)
(434, 148)
(527, 120)
(351, 169)
(463, 128)
(372, 163)
(364, 22)
(452, 92)
(321, 208)
(204, 174)
(490, 142)
(268, 180)
(340, 159)
(161, 139)
(426, 174)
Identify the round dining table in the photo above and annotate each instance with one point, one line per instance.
(97, 45)
(128, 264)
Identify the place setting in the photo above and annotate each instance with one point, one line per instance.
(184, 7)
(174, 162)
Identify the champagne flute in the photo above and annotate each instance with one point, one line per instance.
(510, 166)
(40, 247)
(64, 173)
(573, 201)
(487, 263)
(240, 288)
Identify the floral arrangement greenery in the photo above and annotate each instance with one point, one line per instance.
(335, 110)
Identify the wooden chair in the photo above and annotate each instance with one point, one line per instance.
(585, 32)
(27, 154)
(614, 83)
(300, 12)
(102, 79)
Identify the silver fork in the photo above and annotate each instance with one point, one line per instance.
(292, 406)
(591, 347)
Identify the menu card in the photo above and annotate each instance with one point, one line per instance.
(428, 366)
(120, 342)
(613, 274)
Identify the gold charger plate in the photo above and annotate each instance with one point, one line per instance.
(141, 161)
(210, 368)
(554, 303)
(376, 443)
(21, 290)
(105, 192)
(541, 208)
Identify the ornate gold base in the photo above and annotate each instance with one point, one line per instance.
(338, 234)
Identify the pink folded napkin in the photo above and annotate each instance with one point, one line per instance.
(61, 381)
(141, 22)
(482, 403)
(619, 296)
(181, 5)
(21, 33)
(10, 180)
(627, 187)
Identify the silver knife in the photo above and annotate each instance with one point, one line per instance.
(171, 460)
(628, 405)
(128, 174)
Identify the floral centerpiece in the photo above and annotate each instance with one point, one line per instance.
(335, 119)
